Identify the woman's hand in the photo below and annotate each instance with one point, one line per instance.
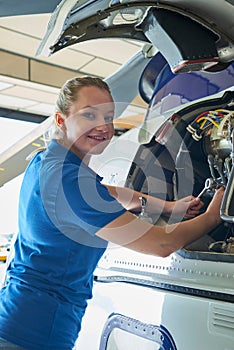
(191, 206)
(194, 206)
(187, 207)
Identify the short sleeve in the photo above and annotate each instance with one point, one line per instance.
(88, 202)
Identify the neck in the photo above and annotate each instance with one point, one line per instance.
(84, 157)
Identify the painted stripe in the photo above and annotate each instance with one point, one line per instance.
(169, 287)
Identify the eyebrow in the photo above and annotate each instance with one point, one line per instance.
(96, 108)
(88, 106)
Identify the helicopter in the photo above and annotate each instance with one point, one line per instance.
(184, 301)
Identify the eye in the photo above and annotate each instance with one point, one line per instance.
(88, 115)
(109, 119)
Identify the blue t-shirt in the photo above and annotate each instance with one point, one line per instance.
(62, 206)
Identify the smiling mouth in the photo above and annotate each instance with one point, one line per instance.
(97, 138)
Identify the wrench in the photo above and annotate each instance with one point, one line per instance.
(208, 184)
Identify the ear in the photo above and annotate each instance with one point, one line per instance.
(59, 119)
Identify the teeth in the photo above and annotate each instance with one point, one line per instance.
(98, 137)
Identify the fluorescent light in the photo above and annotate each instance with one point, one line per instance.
(15, 102)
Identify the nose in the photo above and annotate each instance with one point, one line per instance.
(103, 126)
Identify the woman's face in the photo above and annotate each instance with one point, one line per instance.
(89, 125)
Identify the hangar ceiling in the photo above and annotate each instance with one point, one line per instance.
(29, 83)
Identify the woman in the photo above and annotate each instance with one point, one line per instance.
(66, 218)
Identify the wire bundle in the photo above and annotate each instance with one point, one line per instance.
(205, 120)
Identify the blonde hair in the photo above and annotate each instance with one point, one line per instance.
(69, 92)
(68, 95)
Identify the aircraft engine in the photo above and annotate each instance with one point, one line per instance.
(216, 128)
(194, 145)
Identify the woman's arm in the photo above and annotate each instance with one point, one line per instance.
(135, 234)
(188, 206)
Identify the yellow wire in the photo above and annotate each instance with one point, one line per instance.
(207, 119)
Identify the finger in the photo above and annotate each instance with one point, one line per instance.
(188, 199)
(188, 216)
(196, 203)
(197, 207)
(194, 213)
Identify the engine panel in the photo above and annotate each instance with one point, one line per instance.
(195, 144)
